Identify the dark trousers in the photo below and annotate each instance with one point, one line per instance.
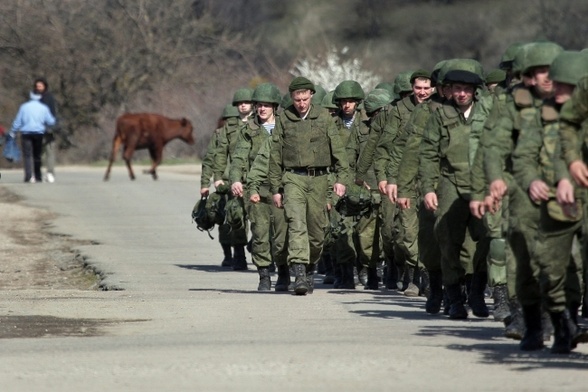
(32, 149)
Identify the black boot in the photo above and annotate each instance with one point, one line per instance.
(300, 283)
(457, 310)
(500, 297)
(283, 278)
(423, 281)
(337, 273)
(265, 283)
(533, 339)
(433, 305)
(239, 260)
(446, 303)
(391, 276)
(562, 342)
(347, 277)
(412, 290)
(328, 264)
(310, 268)
(514, 324)
(228, 260)
(476, 298)
(581, 335)
(372, 278)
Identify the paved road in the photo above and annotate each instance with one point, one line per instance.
(179, 322)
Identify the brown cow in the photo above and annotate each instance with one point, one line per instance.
(136, 131)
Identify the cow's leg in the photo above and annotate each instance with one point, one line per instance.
(127, 156)
(115, 146)
(155, 153)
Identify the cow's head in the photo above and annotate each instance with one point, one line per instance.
(187, 130)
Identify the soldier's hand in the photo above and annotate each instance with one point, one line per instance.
(218, 183)
(382, 187)
(204, 192)
(579, 173)
(403, 202)
(565, 192)
(392, 192)
(538, 191)
(277, 199)
(431, 201)
(339, 189)
(492, 205)
(498, 189)
(237, 189)
(255, 198)
(477, 208)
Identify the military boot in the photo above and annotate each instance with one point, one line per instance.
(546, 325)
(457, 309)
(391, 276)
(412, 290)
(424, 282)
(533, 339)
(239, 259)
(500, 297)
(283, 280)
(337, 273)
(433, 305)
(228, 260)
(476, 298)
(514, 323)
(310, 268)
(581, 335)
(265, 283)
(372, 278)
(562, 342)
(446, 303)
(300, 282)
(347, 277)
(328, 265)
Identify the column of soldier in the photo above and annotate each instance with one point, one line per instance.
(459, 182)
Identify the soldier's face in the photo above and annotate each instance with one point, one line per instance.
(265, 111)
(348, 107)
(463, 94)
(301, 100)
(244, 108)
(541, 80)
(563, 92)
(422, 89)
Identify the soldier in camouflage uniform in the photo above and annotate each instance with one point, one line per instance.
(226, 147)
(305, 146)
(207, 172)
(447, 152)
(266, 98)
(513, 113)
(539, 169)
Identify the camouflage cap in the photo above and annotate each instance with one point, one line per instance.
(376, 99)
(569, 67)
(301, 83)
(495, 76)
(402, 82)
(419, 73)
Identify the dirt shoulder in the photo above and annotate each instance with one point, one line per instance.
(34, 257)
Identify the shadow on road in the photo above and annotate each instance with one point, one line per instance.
(210, 268)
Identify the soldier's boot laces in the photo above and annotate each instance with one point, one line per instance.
(500, 297)
(412, 290)
(300, 282)
(283, 280)
(476, 298)
(514, 323)
(265, 283)
(433, 304)
(457, 310)
(228, 256)
(533, 338)
(239, 259)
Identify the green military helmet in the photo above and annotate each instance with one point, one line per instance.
(520, 58)
(402, 83)
(286, 100)
(435, 74)
(541, 54)
(348, 89)
(230, 111)
(569, 67)
(388, 87)
(507, 59)
(243, 94)
(319, 94)
(327, 102)
(376, 99)
(495, 76)
(267, 92)
(467, 71)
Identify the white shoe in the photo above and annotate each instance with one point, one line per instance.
(32, 180)
(50, 178)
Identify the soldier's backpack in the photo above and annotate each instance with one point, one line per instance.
(357, 201)
(235, 213)
(210, 211)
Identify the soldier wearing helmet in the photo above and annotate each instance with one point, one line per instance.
(267, 242)
(539, 169)
(237, 239)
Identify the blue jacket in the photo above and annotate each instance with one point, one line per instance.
(32, 117)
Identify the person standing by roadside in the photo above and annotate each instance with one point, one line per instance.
(32, 119)
(41, 87)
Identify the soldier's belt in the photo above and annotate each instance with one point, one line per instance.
(309, 171)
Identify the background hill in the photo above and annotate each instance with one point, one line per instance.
(184, 58)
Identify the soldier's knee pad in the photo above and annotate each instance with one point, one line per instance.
(497, 262)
